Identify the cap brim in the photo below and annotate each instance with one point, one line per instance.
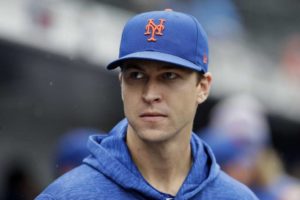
(157, 56)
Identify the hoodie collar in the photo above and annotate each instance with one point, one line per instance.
(110, 156)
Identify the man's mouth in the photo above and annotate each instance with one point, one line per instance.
(152, 116)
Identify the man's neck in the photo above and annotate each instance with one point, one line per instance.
(164, 165)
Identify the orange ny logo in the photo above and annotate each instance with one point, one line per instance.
(153, 29)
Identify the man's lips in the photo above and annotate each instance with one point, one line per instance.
(152, 116)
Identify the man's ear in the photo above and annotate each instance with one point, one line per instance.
(120, 77)
(203, 87)
(120, 80)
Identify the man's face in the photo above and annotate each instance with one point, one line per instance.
(160, 99)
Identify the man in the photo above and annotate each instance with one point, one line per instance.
(153, 154)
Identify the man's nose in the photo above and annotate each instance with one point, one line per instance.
(151, 92)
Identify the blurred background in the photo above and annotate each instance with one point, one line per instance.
(53, 80)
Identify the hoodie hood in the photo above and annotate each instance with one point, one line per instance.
(111, 157)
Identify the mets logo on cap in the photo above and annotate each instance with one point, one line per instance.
(153, 29)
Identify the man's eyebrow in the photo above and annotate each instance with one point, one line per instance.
(128, 66)
(168, 66)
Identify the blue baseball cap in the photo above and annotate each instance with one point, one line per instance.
(166, 36)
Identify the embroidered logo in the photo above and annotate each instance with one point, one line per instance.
(154, 29)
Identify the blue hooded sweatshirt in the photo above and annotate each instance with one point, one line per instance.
(109, 173)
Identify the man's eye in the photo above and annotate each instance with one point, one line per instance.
(136, 75)
(170, 75)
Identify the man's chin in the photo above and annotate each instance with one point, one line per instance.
(154, 135)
